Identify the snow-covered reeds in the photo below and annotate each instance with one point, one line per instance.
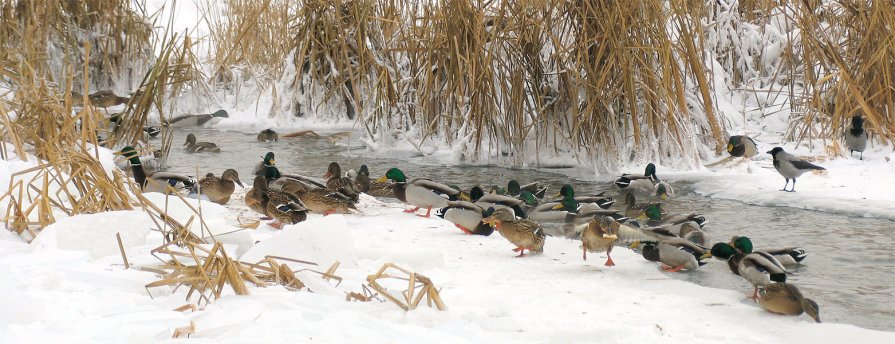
(847, 53)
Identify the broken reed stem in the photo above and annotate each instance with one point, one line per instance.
(121, 248)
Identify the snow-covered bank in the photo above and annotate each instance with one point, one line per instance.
(491, 296)
(848, 186)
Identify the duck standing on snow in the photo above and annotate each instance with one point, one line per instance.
(338, 183)
(420, 193)
(741, 146)
(759, 268)
(788, 256)
(373, 188)
(191, 120)
(219, 190)
(525, 234)
(675, 254)
(856, 136)
(158, 181)
(256, 199)
(268, 135)
(600, 235)
(200, 147)
(786, 299)
(467, 217)
(790, 167)
(281, 206)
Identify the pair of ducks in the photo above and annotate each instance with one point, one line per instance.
(216, 189)
(766, 271)
(288, 198)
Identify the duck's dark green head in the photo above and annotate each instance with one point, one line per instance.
(733, 141)
(269, 159)
(723, 250)
(661, 191)
(653, 212)
(568, 204)
(395, 175)
(513, 187)
(131, 155)
(744, 244)
(650, 170)
(475, 193)
(566, 191)
(363, 170)
(528, 198)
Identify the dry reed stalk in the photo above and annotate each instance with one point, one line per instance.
(418, 286)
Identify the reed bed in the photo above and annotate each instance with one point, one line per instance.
(848, 56)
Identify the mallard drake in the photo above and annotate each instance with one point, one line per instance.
(152, 131)
(789, 256)
(284, 208)
(741, 146)
(200, 147)
(568, 210)
(601, 201)
(856, 137)
(219, 189)
(467, 217)
(256, 199)
(267, 167)
(656, 217)
(525, 234)
(336, 182)
(268, 135)
(373, 188)
(643, 183)
(158, 181)
(675, 254)
(420, 193)
(634, 209)
(191, 120)
(786, 299)
(759, 268)
(647, 184)
(790, 167)
(515, 189)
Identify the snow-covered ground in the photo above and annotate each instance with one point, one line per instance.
(70, 286)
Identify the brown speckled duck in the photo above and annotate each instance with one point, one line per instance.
(786, 299)
(363, 183)
(525, 234)
(200, 147)
(219, 189)
(335, 181)
(256, 199)
(268, 135)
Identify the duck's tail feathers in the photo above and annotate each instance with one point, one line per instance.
(605, 203)
(541, 193)
(519, 212)
(623, 182)
(778, 277)
(798, 255)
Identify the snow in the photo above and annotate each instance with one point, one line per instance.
(491, 295)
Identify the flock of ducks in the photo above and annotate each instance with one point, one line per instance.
(520, 213)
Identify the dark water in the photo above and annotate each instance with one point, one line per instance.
(850, 269)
